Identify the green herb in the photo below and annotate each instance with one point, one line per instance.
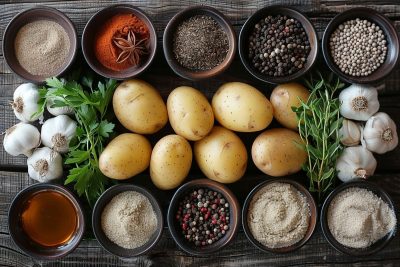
(319, 124)
(90, 108)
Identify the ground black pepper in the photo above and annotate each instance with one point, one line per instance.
(278, 46)
(200, 43)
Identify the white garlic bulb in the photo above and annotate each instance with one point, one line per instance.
(355, 162)
(25, 103)
(45, 165)
(380, 134)
(350, 133)
(20, 139)
(358, 102)
(55, 111)
(57, 132)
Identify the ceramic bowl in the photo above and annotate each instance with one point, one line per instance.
(169, 35)
(28, 16)
(389, 32)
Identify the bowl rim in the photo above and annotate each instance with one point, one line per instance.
(170, 30)
(225, 191)
(152, 31)
(37, 187)
(360, 183)
(313, 211)
(73, 42)
(112, 192)
(340, 19)
(281, 79)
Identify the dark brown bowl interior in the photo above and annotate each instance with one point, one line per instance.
(390, 35)
(170, 32)
(89, 36)
(311, 226)
(106, 243)
(22, 240)
(359, 252)
(234, 215)
(277, 10)
(30, 15)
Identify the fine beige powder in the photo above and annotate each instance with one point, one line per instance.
(357, 218)
(41, 47)
(129, 220)
(278, 215)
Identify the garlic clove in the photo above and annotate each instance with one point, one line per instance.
(45, 165)
(55, 111)
(380, 134)
(57, 132)
(21, 139)
(350, 133)
(25, 102)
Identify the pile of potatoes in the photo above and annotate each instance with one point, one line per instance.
(218, 151)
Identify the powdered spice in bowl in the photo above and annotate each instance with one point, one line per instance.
(119, 42)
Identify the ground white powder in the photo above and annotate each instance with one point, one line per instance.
(357, 218)
(278, 215)
(129, 220)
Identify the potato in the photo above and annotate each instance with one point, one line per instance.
(221, 155)
(170, 161)
(189, 113)
(276, 153)
(139, 107)
(283, 98)
(241, 107)
(125, 156)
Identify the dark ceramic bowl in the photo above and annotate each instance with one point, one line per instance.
(175, 228)
(277, 10)
(106, 243)
(359, 252)
(312, 222)
(28, 16)
(390, 35)
(22, 240)
(98, 20)
(170, 32)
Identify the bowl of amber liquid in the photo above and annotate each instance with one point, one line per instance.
(46, 221)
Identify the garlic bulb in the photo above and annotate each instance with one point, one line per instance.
(380, 134)
(355, 162)
(45, 165)
(350, 133)
(20, 139)
(57, 132)
(55, 111)
(358, 102)
(25, 103)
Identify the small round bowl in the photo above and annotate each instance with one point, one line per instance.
(21, 239)
(312, 223)
(389, 32)
(106, 243)
(234, 217)
(277, 10)
(169, 36)
(359, 252)
(28, 16)
(91, 29)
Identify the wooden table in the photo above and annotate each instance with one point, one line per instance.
(317, 252)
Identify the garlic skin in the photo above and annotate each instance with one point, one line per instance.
(55, 111)
(57, 132)
(21, 139)
(25, 104)
(45, 165)
(355, 162)
(380, 134)
(358, 102)
(350, 133)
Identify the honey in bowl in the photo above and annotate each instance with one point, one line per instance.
(49, 218)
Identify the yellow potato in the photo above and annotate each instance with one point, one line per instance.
(221, 155)
(241, 107)
(170, 161)
(139, 107)
(125, 156)
(189, 113)
(276, 153)
(283, 98)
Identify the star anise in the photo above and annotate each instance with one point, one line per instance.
(131, 48)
